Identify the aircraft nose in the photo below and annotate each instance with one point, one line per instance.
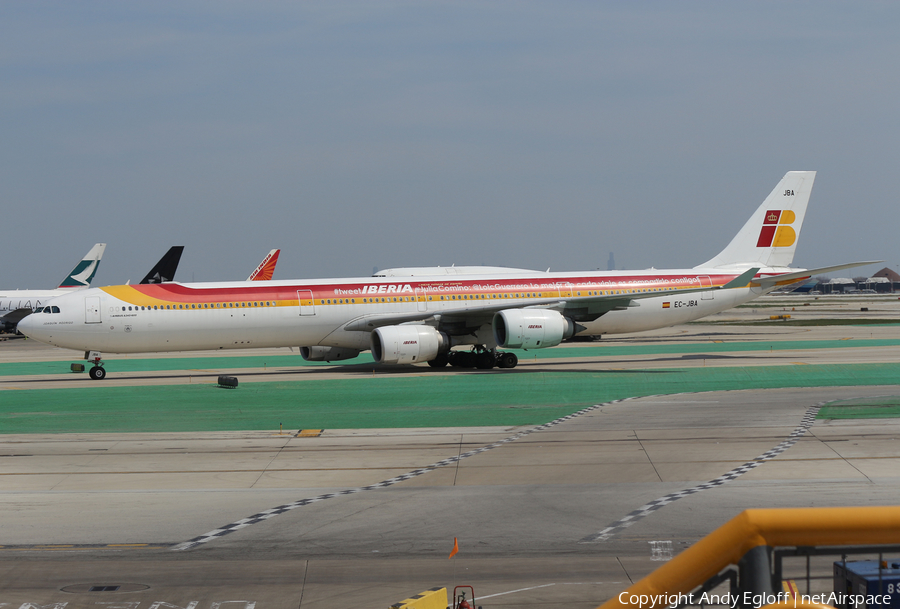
(30, 326)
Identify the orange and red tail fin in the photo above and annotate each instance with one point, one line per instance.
(266, 268)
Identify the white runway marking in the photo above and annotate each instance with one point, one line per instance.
(480, 598)
(281, 509)
(645, 510)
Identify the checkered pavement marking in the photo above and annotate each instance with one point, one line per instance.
(809, 418)
(281, 509)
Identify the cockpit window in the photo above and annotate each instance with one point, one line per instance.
(55, 309)
(46, 309)
(37, 310)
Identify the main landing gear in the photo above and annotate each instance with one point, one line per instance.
(98, 372)
(479, 357)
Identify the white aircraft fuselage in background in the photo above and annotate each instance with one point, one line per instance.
(408, 318)
(16, 304)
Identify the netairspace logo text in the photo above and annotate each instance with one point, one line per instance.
(750, 599)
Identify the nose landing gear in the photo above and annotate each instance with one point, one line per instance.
(98, 373)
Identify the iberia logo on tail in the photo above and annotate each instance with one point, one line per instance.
(776, 230)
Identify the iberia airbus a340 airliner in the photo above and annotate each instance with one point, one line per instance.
(408, 316)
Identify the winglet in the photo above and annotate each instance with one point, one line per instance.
(741, 280)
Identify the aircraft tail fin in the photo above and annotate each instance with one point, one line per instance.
(266, 268)
(769, 238)
(164, 270)
(83, 273)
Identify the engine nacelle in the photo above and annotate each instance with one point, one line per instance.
(407, 344)
(327, 354)
(531, 328)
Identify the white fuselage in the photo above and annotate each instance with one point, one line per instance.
(16, 304)
(14, 300)
(332, 312)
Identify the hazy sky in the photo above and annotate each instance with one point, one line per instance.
(356, 135)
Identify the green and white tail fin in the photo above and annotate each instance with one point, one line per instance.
(769, 238)
(82, 275)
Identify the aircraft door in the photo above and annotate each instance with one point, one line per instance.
(92, 310)
(706, 282)
(306, 302)
(421, 298)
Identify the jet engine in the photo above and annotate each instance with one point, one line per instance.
(327, 354)
(531, 328)
(408, 344)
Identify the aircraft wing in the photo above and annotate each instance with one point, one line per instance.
(15, 316)
(580, 308)
(789, 278)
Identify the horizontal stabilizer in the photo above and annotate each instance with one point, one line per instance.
(741, 280)
(789, 278)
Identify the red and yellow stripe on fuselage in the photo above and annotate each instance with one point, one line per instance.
(175, 296)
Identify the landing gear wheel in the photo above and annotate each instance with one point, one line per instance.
(507, 360)
(485, 360)
(97, 373)
(440, 361)
(459, 359)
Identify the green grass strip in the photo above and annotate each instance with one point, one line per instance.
(885, 407)
(167, 364)
(468, 399)
(114, 365)
(809, 322)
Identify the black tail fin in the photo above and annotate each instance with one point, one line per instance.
(164, 270)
